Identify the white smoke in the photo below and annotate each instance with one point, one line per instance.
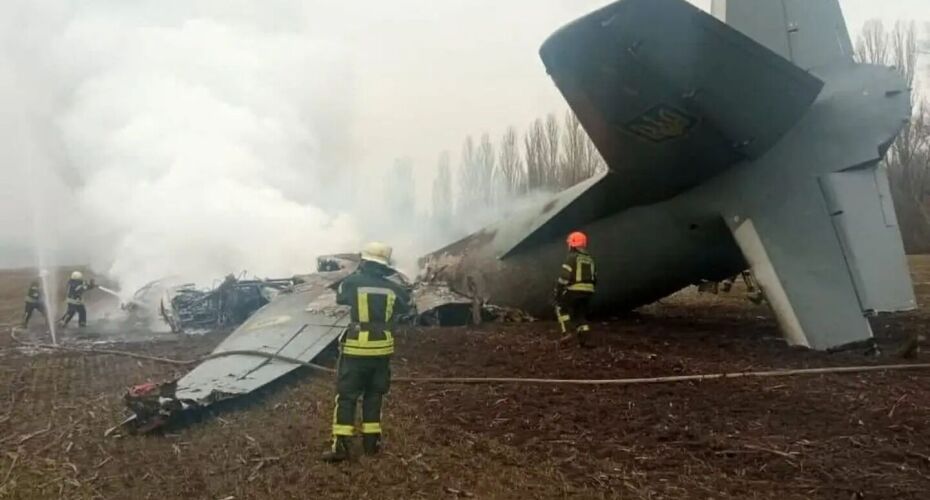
(195, 138)
(201, 140)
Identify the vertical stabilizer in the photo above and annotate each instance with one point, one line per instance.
(809, 33)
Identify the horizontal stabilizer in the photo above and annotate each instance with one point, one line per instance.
(860, 204)
(828, 258)
(578, 205)
(671, 96)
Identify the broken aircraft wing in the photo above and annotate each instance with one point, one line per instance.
(296, 325)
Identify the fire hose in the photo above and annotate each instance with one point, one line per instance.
(499, 380)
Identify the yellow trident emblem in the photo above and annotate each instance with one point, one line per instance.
(661, 124)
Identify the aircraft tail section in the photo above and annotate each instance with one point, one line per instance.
(809, 33)
(862, 211)
(829, 258)
(671, 96)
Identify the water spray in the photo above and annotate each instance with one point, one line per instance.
(106, 290)
(47, 300)
(41, 244)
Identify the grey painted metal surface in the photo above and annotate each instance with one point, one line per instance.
(809, 33)
(437, 305)
(430, 296)
(863, 215)
(296, 325)
(719, 153)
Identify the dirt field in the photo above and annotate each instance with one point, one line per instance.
(830, 436)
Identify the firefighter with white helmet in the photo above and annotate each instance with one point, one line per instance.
(75, 298)
(364, 369)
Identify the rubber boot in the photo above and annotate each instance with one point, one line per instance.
(584, 336)
(371, 443)
(339, 452)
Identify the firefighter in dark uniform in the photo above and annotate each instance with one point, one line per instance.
(366, 347)
(34, 302)
(75, 298)
(574, 289)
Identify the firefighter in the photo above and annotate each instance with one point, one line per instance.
(574, 289)
(364, 368)
(753, 290)
(75, 297)
(34, 302)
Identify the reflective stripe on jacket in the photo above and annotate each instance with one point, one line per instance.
(375, 302)
(578, 272)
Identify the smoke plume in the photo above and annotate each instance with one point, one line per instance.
(195, 140)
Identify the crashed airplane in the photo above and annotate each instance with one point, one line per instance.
(297, 323)
(747, 138)
(750, 139)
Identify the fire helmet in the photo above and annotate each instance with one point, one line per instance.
(377, 252)
(577, 240)
(77, 275)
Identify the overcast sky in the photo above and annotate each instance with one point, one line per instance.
(477, 70)
(399, 78)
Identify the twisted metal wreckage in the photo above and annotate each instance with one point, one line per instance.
(285, 323)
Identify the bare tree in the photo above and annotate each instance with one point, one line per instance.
(872, 46)
(534, 151)
(469, 177)
(580, 158)
(908, 159)
(400, 188)
(551, 161)
(442, 191)
(510, 171)
(574, 159)
(599, 164)
(485, 165)
(554, 157)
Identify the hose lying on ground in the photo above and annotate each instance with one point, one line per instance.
(499, 380)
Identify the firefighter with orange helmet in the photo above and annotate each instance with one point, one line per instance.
(574, 289)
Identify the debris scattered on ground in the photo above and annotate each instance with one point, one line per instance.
(290, 326)
(187, 308)
(503, 314)
(437, 305)
(298, 323)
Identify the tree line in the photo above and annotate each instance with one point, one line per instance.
(549, 156)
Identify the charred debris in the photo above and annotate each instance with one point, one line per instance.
(187, 308)
(278, 326)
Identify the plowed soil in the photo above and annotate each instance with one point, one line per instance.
(853, 436)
